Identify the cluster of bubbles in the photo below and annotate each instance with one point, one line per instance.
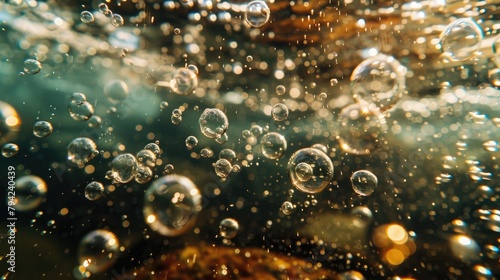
(79, 108)
(115, 19)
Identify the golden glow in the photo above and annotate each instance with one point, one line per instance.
(394, 256)
(151, 219)
(397, 234)
(12, 121)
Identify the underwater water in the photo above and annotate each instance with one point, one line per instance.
(213, 139)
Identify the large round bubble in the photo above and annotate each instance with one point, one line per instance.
(273, 145)
(361, 129)
(171, 205)
(81, 150)
(317, 166)
(379, 80)
(461, 39)
(123, 168)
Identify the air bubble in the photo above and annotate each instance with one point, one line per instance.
(228, 228)
(94, 190)
(10, 150)
(79, 109)
(171, 205)
(42, 129)
(280, 89)
(81, 150)
(322, 170)
(461, 39)
(30, 192)
(116, 90)
(184, 81)
(364, 182)
(273, 145)
(32, 66)
(117, 20)
(222, 168)
(287, 208)
(191, 142)
(87, 17)
(257, 13)
(279, 112)
(123, 168)
(213, 123)
(98, 250)
(379, 80)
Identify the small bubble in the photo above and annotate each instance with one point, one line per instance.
(117, 20)
(249, 58)
(164, 105)
(287, 208)
(273, 145)
(191, 142)
(42, 129)
(143, 174)
(184, 81)
(213, 123)
(32, 66)
(146, 157)
(257, 13)
(81, 150)
(206, 153)
(310, 181)
(169, 168)
(10, 150)
(95, 121)
(124, 167)
(280, 89)
(79, 109)
(94, 190)
(334, 82)
(116, 90)
(177, 31)
(222, 168)
(176, 119)
(279, 112)
(103, 8)
(228, 154)
(153, 147)
(364, 182)
(322, 96)
(228, 228)
(87, 17)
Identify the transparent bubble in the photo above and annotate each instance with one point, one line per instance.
(123, 168)
(193, 68)
(10, 123)
(95, 122)
(322, 170)
(256, 130)
(236, 168)
(32, 66)
(279, 112)
(117, 20)
(273, 145)
(153, 147)
(227, 154)
(322, 96)
(98, 250)
(177, 31)
(213, 123)
(280, 89)
(461, 39)
(228, 228)
(143, 174)
(103, 8)
(146, 157)
(287, 208)
(222, 168)
(320, 147)
(169, 168)
(494, 76)
(184, 81)
(364, 182)
(164, 105)
(81, 150)
(87, 17)
(362, 212)
(257, 13)
(206, 153)
(491, 146)
(94, 190)
(246, 134)
(464, 248)
(176, 119)
(42, 129)
(116, 90)
(361, 129)
(79, 109)
(304, 171)
(176, 112)
(333, 82)
(379, 80)
(10, 150)
(29, 192)
(191, 142)
(171, 205)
